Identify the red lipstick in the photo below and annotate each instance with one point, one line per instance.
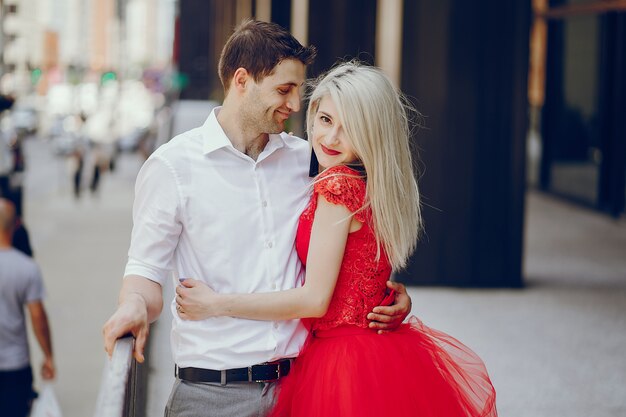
(329, 151)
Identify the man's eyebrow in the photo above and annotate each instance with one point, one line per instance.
(291, 83)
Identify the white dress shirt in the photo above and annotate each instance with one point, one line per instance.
(204, 210)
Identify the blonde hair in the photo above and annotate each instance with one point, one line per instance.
(375, 117)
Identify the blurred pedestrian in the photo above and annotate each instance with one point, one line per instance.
(21, 286)
(6, 102)
(102, 148)
(77, 157)
(21, 240)
(16, 177)
(6, 153)
(6, 165)
(78, 163)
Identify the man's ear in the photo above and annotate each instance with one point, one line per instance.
(240, 79)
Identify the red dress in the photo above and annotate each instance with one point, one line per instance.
(345, 369)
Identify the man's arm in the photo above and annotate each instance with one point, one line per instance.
(140, 303)
(39, 319)
(385, 318)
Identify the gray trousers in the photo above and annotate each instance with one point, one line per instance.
(238, 399)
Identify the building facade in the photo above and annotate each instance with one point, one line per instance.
(583, 128)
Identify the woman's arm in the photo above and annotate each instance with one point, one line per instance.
(326, 248)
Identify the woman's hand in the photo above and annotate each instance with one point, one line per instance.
(195, 300)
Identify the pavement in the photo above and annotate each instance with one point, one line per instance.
(555, 348)
(81, 248)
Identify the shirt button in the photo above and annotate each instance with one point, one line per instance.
(264, 203)
(269, 244)
(276, 325)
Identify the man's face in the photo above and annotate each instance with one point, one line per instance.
(269, 103)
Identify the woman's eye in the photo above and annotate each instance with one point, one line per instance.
(283, 92)
(325, 119)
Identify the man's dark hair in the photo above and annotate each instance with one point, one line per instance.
(7, 216)
(258, 47)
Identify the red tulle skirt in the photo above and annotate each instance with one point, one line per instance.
(414, 371)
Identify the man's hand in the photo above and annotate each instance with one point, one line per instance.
(195, 300)
(141, 301)
(48, 371)
(386, 318)
(131, 316)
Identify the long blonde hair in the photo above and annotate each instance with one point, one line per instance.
(375, 116)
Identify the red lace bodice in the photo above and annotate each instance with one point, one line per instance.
(361, 281)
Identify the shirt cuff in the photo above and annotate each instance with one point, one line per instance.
(136, 267)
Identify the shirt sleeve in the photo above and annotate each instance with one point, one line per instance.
(341, 185)
(35, 290)
(156, 221)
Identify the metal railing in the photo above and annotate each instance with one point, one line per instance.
(123, 388)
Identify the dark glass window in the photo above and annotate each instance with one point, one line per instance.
(575, 152)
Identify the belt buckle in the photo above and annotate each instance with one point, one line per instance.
(264, 380)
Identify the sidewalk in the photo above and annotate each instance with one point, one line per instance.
(555, 348)
(81, 248)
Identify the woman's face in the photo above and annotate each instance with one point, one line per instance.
(330, 142)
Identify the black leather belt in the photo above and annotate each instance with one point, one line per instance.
(265, 372)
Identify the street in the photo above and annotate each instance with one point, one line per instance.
(81, 247)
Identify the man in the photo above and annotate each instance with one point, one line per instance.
(21, 240)
(6, 164)
(221, 203)
(20, 285)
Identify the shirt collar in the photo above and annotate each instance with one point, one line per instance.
(215, 138)
(213, 135)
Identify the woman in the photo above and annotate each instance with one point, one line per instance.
(362, 222)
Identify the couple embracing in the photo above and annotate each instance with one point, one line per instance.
(282, 251)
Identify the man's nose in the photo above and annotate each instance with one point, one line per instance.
(293, 102)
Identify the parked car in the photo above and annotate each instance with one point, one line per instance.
(25, 120)
(65, 135)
